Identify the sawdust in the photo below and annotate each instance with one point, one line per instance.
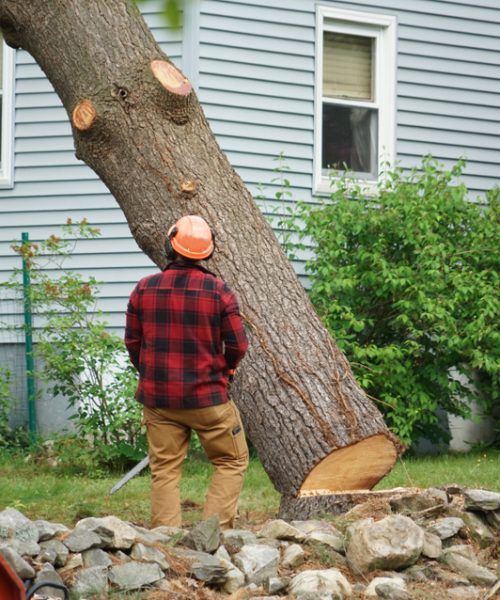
(375, 508)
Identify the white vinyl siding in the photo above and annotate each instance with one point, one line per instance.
(50, 184)
(7, 57)
(254, 66)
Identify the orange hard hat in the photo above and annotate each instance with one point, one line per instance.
(192, 237)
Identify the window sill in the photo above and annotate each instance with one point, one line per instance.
(326, 187)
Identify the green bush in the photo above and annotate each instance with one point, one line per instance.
(80, 359)
(5, 405)
(407, 283)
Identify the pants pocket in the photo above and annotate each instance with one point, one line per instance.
(238, 435)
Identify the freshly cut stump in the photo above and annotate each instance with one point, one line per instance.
(356, 467)
(343, 479)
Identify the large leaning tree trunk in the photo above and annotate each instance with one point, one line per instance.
(138, 124)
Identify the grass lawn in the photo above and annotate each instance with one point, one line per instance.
(44, 493)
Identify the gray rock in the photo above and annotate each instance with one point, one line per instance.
(81, 539)
(495, 590)
(478, 529)
(281, 530)
(469, 569)
(169, 531)
(424, 500)
(273, 543)
(316, 596)
(293, 556)
(114, 533)
(234, 580)
(393, 583)
(92, 581)
(60, 550)
(391, 543)
(315, 525)
(222, 554)
(234, 577)
(48, 574)
(25, 548)
(334, 541)
(447, 577)
(47, 531)
(134, 575)
(493, 519)
(166, 587)
(23, 569)
(237, 538)
(447, 527)
(324, 582)
(204, 567)
(433, 546)
(96, 558)
(417, 573)
(257, 562)
(391, 591)
(19, 532)
(463, 550)
(205, 537)
(75, 561)
(143, 553)
(466, 592)
(152, 536)
(95, 525)
(47, 555)
(483, 500)
(277, 584)
(14, 525)
(121, 556)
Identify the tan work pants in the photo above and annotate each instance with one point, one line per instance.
(221, 434)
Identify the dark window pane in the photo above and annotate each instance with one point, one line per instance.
(350, 137)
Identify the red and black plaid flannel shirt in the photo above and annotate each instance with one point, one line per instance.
(183, 333)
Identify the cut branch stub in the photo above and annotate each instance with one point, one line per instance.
(170, 78)
(84, 115)
(178, 87)
(188, 186)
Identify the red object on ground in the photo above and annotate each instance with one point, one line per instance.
(11, 587)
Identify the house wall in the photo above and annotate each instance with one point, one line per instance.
(256, 84)
(51, 185)
(252, 63)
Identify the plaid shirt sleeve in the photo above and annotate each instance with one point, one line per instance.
(232, 330)
(133, 329)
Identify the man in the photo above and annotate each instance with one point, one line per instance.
(185, 336)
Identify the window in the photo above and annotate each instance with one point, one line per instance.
(355, 88)
(6, 114)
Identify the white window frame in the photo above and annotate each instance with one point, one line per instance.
(7, 154)
(382, 28)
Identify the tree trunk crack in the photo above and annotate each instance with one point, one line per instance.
(338, 380)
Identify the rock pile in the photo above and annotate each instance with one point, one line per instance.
(426, 542)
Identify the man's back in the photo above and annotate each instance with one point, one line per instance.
(183, 334)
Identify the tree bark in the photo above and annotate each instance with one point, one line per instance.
(138, 124)
(309, 507)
